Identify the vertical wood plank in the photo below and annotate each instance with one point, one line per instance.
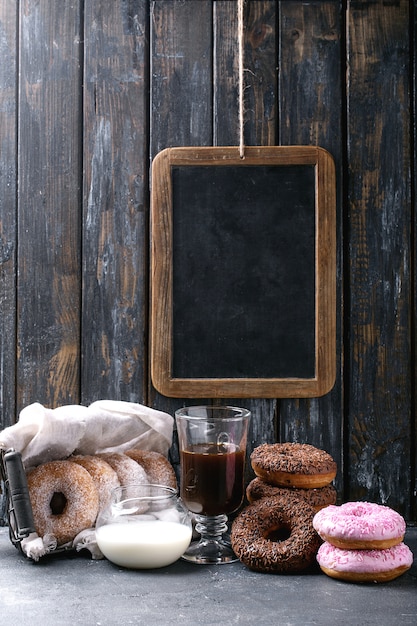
(260, 97)
(413, 231)
(226, 73)
(379, 248)
(181, 91)
(8, 39)
(181, 70)
(48, 287)
(181, 101)
(260, 73)
(115, 215)
(310, 61)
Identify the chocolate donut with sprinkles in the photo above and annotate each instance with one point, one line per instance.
(293, 465)
(275, 535)
(317, 498)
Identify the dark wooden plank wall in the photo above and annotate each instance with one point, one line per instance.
(91, 91)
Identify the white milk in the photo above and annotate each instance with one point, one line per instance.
(143, 545)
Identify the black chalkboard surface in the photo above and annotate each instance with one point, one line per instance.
(243, 272)
(243, 304)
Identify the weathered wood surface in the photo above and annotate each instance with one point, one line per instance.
(101, 88)
(311, 112)
(48, 225)
(8, 179)
(380, 415)
(115, 201)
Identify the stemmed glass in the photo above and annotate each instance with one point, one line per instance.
(212, 444)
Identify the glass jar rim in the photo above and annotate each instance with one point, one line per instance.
(143, 491)
(235, 413)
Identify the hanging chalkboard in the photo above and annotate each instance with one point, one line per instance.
(243, 272)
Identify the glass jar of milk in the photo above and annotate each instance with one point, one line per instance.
(143, 527)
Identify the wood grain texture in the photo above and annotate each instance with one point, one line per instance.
(115, 219)
(380, 431)
(48, 307)
(181, 108)
(8, 226)
(101, 88)
(310, 113)
(181, 92)
(261, 95)
(413, 282)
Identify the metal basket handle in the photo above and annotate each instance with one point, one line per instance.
(19, 508)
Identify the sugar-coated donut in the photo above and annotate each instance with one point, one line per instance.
(101, 472)
(364, 565)
(158, 469)
(64, 499)
(317, 498)
(299, 465)
(128, 471)
(360, 526)
(275, 535)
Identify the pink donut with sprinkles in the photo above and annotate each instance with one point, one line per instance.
(360, 526)
(364, 565)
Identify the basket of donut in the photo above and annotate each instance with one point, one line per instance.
(54, 506)
(292, 521)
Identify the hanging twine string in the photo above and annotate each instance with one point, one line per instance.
(241, 85)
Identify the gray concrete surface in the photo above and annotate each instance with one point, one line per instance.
(76, 590)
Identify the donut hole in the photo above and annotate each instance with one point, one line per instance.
(58, 503)
(278, 533)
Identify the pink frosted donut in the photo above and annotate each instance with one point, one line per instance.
(364, 565)
(360, 526)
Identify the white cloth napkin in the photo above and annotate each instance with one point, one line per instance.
(42, 434)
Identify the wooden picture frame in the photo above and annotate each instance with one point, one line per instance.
(226, 234)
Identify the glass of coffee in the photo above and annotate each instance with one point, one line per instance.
(212, 444)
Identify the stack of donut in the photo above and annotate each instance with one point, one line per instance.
(275, 532)
(66, 495)
(293, 469)
(363, 542)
